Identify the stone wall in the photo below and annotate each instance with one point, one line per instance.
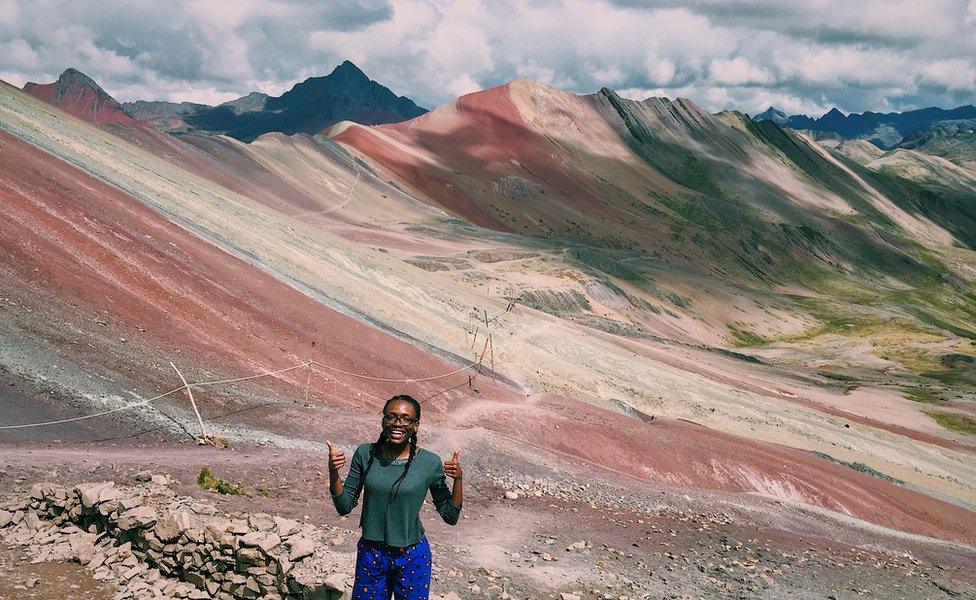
(156, 544)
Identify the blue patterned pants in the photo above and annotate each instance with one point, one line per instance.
(382, 571)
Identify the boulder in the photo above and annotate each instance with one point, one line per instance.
(261, 522)
(139, 517)
(162, 480)
(203, 509)
(82, 546)
(286, 527)
(41, 491)
(91, 492)
(167, 529)
(265, 541)
(299, 548)
(250, 556)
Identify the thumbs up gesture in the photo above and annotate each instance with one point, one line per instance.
(337, 458)
(452, 467)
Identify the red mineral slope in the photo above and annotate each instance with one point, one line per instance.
(76, 94)
(685, 454)
(86, 265)
(82, 265)
(480, 159)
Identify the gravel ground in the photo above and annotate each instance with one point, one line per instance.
(533, 532)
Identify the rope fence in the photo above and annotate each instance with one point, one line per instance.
(310, 364)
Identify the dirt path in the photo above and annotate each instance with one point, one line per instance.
(19, 579)
(579, 534)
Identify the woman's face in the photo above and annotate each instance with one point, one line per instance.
(399, 421)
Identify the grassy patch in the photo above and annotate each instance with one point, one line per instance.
(208, 481)
(836, 376)
(954, 422)
(923, 395)
(860, 467)
(605, 262)
(746, 338)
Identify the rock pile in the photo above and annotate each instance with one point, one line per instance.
(156, 544)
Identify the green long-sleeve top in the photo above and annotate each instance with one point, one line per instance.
(395, 522)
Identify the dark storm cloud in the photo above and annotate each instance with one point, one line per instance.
(803, 56)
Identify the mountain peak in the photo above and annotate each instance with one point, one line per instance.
(79, 95)
(72, 76)
(348, 71)
(772, 114)
(311, 106)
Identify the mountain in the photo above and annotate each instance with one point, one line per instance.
(772, 114)
(954, 140)
(658, 176)
(886, 130)
(255, 101)
(76, 93)
(144, 110)
(756, 294)
(309, 107)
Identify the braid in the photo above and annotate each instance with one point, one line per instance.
(369, 463)
(413, 452)
(395, 488)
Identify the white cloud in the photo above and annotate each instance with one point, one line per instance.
(20, 55)
(954, 74)
(737, 71)
(659, 71)
(803, 56)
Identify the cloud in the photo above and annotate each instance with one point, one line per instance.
(802, 56)
(737, 71)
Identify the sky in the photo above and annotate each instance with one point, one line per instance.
(803, 56)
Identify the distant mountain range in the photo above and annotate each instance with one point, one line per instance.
(311, 106)
(885, 130)
(346, 94)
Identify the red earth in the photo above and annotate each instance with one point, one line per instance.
(74, 250)
(76, 94)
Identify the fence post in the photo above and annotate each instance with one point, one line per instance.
(189, 392)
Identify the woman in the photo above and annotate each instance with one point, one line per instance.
(394, 556)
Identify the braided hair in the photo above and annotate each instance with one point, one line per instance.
(373, 447)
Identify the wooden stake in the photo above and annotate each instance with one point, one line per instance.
(189, 392)
(481, 359)
(491, 348)
(308, 374)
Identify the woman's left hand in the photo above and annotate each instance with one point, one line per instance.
(452, 468)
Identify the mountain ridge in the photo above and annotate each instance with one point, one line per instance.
(310, 107)
(79, 95)
(886, 130)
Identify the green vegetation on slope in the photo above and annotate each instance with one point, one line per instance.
(951, 207)
(858, 466)
(923, 395)
(208, 481)
(954, 422)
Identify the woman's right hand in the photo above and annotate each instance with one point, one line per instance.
(337, 458)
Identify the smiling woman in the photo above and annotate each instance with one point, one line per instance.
(393, 553)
